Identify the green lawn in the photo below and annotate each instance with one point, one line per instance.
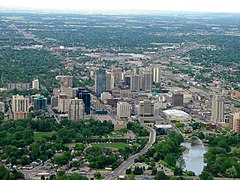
(42, 135)
(112, 145)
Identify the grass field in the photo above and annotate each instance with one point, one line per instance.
(112, 145)
(41, 135)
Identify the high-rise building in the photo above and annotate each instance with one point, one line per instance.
(76, 109)
(35, 84)
(20, 107)
(235, 122)
(100, 82)
(105, 96)
(217, 109)
(63, 103)
(109, 81)
(66, 81)
(123, 110)
(117, 75)
(54, 101)
(135, 83)
(156, 74)
(127, 80)
(146, 108)
(147, 80)
(86, 97)
(39, 103)
(177, 99)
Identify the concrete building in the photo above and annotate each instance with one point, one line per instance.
(66, 90)
(76, 109)
(20, 107)
(39, 103)
(100, 82)
(146, 108)
(177, 99)
(135, 83)
(66, 81)
(63, 103)
(235, 122)
(117, 75)
(147, 80)
(54, 101)
(156, 74)
(105, 96)
(217, 109)
(123, 110)
(35, 84)
(18, 86)
(109, 81)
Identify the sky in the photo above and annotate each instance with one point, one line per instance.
(162, 5)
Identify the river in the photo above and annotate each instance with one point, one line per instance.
(194, 157)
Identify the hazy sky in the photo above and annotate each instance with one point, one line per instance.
(166, 5)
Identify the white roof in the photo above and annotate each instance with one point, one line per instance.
(163, 126)
(176, 114)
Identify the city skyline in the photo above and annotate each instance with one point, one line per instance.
(171, 5)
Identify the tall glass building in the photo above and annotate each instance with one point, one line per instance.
(100, 82)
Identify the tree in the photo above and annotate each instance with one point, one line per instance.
(170, 159)
(161, 176)
(205, 176)
(97, 175)
(129, 171)
(231, 172)
(4, 174)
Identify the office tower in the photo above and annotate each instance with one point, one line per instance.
(54, 101)
(235, 122)
(135, 83)
(86, 97)
(76, 109)
(117, 75)
(39, 103)
(123, 110)
(63, 103)
(156, 74)
(20, 107)
(35, 84)
(146, 108)
(127, 80)
(217, 109)
(109, 81)
(100, 82)
(66, 81)
(177, 99)
(147, 80)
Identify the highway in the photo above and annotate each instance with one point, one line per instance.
(128, 163)
(51, 113)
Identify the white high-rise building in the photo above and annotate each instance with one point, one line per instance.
(217, 109)
(76, 109)
(109, 81)
(156, 74)
(63, 103)
(146, 108)
(35, 84)
(123, 110)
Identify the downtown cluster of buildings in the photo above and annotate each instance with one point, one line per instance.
(142, 93)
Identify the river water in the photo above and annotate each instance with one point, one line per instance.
(194, 157)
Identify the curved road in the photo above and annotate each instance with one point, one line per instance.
(127, 164)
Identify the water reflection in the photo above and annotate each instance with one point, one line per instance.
(194, 157)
